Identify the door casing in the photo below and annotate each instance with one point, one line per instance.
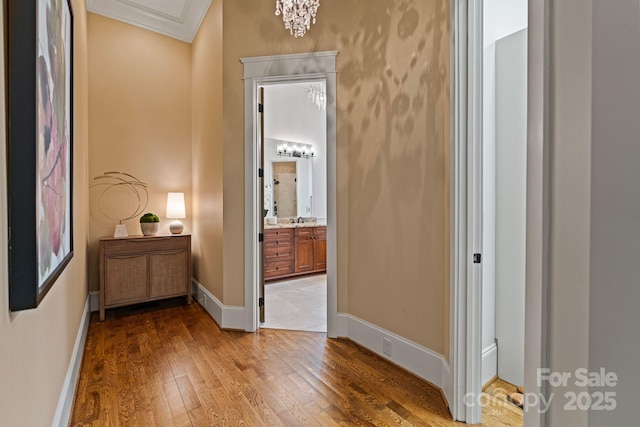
(464, 385)
(281, 69)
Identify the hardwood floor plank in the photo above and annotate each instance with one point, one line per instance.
(173, 366)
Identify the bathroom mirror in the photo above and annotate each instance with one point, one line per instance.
(288, 184)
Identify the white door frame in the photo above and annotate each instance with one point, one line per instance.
(466, 204)
(466, 210)
(259, 71)
(538, 196)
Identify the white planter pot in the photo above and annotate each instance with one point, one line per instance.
(149, 228)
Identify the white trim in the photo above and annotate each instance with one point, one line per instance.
(458, 211)
(538, 125)
(343, 325)
(466, 220)
(184, 27)
(489, 363)
(417, 359)
(65, 401)
(290, 57)
(226, 316)
(94, 301)
(447, 383)
(263, 70)
(474, 206)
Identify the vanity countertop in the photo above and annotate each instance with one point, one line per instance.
(292, 225)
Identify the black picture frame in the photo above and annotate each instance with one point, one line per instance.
(39, 99)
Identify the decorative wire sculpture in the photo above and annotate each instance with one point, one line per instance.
(114, 180)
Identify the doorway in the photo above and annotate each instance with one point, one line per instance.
(467, 260)
(294, 147)
(268, 70)
(504, 146)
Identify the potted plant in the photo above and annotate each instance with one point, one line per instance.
(149, 223)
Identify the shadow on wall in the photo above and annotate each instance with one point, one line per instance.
(392, 100)
(392, 129)
(401, 79)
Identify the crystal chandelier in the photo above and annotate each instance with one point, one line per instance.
(297, 14)
(318, 96)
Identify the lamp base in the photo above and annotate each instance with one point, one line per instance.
(121, 231)
(176, 227)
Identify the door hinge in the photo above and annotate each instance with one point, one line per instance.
(260, 237)
(477, 258)
(260, 302)
(260, 108)
(260, 173)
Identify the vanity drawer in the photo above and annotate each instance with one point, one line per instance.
(278, 234)
(305, 231)
(278, 268)
(280, 238)
(278, 253)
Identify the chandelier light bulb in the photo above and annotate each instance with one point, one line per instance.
(318, 96)
(297, 15)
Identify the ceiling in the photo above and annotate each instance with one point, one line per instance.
(179, 19)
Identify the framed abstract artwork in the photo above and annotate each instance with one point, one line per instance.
(39, 64)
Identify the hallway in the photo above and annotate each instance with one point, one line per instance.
(168, 364)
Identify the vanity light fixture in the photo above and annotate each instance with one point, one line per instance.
(296, 149)
(176, 211)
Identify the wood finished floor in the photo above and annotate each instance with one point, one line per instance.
(172, 366)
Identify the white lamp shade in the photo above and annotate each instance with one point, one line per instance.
(175, 206)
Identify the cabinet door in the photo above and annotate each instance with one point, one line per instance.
(320, 254)
(304, 254)
(169, 274)
(125, 279)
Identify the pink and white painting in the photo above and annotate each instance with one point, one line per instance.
(53, 165)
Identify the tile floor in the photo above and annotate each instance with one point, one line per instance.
(298, 304)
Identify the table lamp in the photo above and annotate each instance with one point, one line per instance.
(176, 211)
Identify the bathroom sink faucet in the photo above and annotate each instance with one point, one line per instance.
(300, 220)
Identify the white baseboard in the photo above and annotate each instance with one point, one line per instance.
(65, 401)
(94, 301)
(489, 363)
(227, 317)
(413, 357)
(447, 383)
(343, 325)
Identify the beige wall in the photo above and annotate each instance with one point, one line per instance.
(207, 152)
(36, 345)
(140, 120)
(393, 109)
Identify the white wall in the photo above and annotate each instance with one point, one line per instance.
(289, 116)
(511, 203)
(501, 18)
(614, 315)
(569, 195)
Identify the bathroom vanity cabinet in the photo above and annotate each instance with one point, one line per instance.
(278, 252)
(311, 249)
(294, 251)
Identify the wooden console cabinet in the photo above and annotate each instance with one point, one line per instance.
(294, 251)
(144, 268)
